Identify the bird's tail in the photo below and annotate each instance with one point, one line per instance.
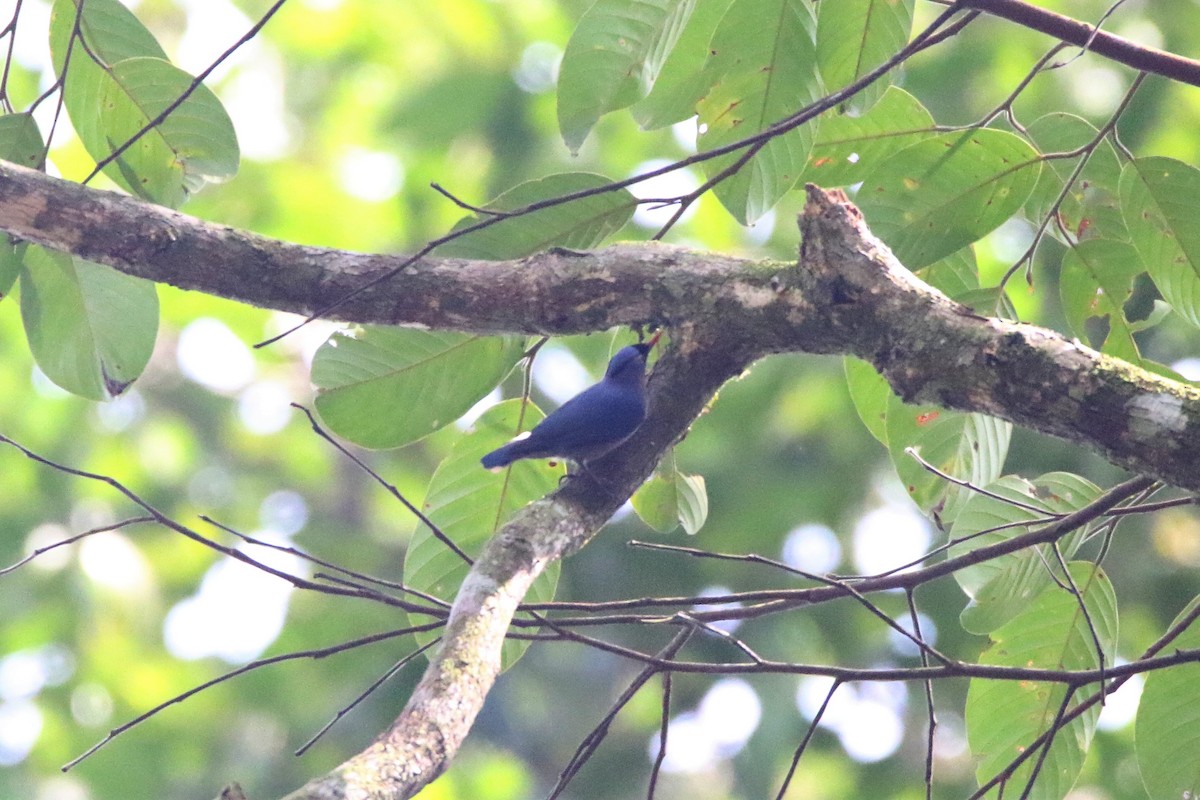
(500, 457)
(503, 456)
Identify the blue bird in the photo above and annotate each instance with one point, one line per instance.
(592, 422)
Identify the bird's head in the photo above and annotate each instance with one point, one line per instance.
(629, 364)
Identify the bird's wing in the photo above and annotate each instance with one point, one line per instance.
(592, 419)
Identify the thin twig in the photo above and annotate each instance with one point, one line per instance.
(391, 489)
(399, 665)
(253, 665)
(125, 523)
(812, 729)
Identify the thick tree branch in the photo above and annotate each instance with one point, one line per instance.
(847, 295)
(1081, 34)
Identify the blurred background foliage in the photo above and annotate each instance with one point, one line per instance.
(346, 110)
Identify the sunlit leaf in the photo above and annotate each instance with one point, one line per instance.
(943, 193)
(91, 328)
(20, 143)
(1095, 281)
(616, 49)
(849, 147)
(761, 69)
(855, 36)
(1000, 588)
(672, 498)
(1004, 717)
(1167, 731)
(384, 387)
(871, 395)
(969, 447)
(194, 145)
(1158, 202)
(469, 503)
(111, 102)
(580, 224)
(1091, 208)
(682, 80)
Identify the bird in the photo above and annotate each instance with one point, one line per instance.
(592, 422)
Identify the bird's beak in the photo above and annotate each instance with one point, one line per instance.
(653, 340)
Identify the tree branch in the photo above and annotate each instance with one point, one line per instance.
(1081, 34)
(848, 294)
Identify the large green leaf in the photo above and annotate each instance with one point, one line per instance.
(1000, 588)
(110, 102)
(20, 143)
(469, 503)
(579, 224)
(616, 49)
(1095, 281)
(112, 34)
(969, 447)
(1003, 717)
(956, 275)
(672, 498)
(761, 68)
(682, 80)
(1158, 202)
(90, 328)
(941, 194)
(384, 387)
(194, 145)
(855, 36)
(849, 147)
(1167, 731)
(871, 395)
(1091, 208)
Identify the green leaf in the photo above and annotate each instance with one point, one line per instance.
(849, 147)
(1003, 717)
(1095, 282)
(90, 328)
(955, 276)
(943, 193)
(671, 498)
(761, 68)
(1167, 731)
(112, 34)
(384, 387)
(1157, 200)
(613, 54)
(1001, 588)
(469, 503)
(21, 143)
(682, 81)
(110, 30)
(871, 395)
(579, 224)
(990, 300)
(110, 102)
(855, 36)
(969, 447)
(194, 145)
(1091, 208)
